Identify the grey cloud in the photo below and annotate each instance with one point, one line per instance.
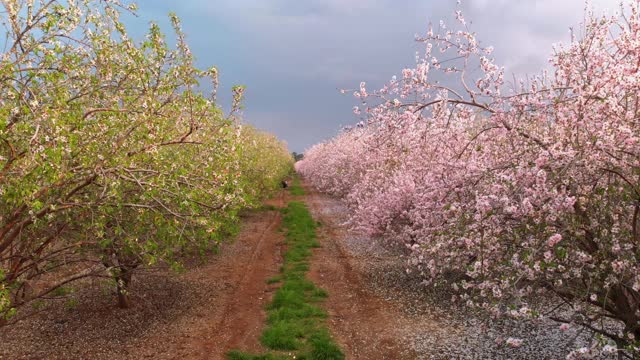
(293, 55)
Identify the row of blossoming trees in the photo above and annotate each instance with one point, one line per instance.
(504, 194)
(111, 158)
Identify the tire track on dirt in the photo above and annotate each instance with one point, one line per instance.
(243, 314)
(364, 324)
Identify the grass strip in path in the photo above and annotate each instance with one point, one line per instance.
(295, 323)
(295, 189)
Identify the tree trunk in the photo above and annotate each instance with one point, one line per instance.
(123, 280)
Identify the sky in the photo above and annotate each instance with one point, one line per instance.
(294, 55)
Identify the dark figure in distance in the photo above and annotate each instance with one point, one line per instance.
(284, 184)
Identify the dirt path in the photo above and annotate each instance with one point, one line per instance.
(235, 318)
(219, 306)
(365, 325)
(242, 316)
(376, 310)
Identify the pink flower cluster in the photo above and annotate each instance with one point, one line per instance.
(504, 194)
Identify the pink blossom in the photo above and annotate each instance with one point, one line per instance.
(553, 240)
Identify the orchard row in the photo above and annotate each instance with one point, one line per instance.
(111, 156)
(505, 193)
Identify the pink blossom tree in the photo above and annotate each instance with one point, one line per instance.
(504, 192)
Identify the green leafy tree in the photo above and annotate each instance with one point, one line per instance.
(110, 157)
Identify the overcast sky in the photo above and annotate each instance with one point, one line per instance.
(294, 55)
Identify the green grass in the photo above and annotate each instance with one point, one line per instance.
(237, 355)
(295, 189)
(295, 322)
(323, 347)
